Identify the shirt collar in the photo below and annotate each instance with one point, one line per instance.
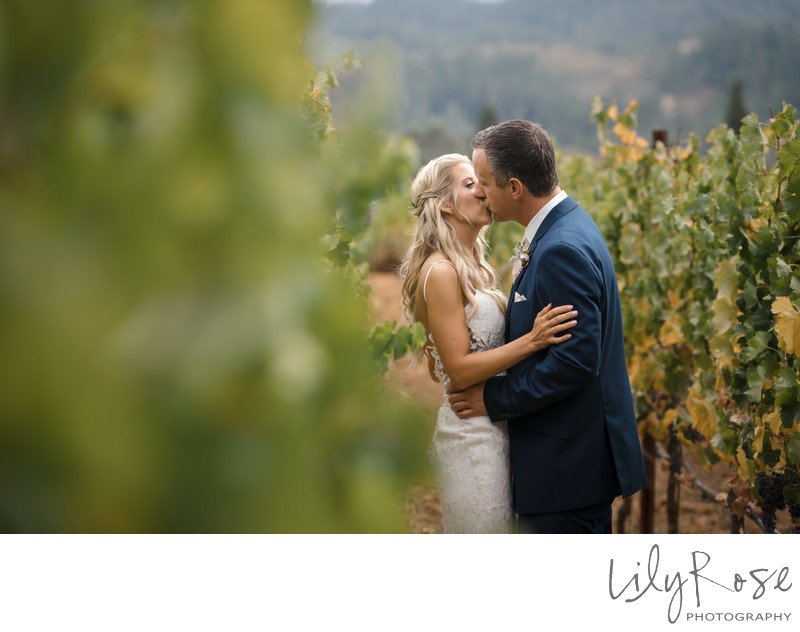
(533, 225)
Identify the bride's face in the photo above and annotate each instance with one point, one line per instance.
(493, 197)
(469, 207)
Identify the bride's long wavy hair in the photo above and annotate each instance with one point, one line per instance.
(433, 185)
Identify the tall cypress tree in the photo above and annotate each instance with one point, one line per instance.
(736, 109)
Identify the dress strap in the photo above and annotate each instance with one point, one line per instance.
(425, 284)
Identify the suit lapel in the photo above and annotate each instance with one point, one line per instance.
(514, 287)
(565, 206)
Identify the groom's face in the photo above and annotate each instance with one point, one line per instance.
(493, 197)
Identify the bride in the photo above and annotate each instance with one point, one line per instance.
(450, 288)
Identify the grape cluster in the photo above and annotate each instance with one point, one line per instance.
(794, 512)
(691, 434)
(770, 488)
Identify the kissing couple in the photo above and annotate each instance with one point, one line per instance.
(537, 433)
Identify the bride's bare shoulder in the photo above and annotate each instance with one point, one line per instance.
(431, 267)
(438, 277)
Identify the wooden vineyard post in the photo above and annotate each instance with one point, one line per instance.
(674, 483)
(623, 513)
(660, 135)
(648, 493)
(737, 521)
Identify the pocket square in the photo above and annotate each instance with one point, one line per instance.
(518, 298)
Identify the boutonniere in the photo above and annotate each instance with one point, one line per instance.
(519, 260)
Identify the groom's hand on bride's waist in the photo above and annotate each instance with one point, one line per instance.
(469, 402)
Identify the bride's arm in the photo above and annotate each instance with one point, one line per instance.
(448, 324)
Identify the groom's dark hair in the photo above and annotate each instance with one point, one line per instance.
(520, 149)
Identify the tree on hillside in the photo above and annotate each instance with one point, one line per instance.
(736, 109)
(488, 117)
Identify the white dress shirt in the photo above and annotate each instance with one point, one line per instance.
(533, 226)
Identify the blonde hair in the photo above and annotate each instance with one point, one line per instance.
(434, 185)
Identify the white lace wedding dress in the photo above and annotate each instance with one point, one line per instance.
(471, 456)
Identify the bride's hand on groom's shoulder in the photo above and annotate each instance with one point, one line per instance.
(468, 402)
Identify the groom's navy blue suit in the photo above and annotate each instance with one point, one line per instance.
(571, 423)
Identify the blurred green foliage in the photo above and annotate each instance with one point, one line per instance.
(177, 354)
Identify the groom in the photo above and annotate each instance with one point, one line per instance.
(572, 429)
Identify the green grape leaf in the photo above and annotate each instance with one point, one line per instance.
(792, 492)
(629, 252)
(389, 342)
(789, 159)
(407, 338)
(725, 314)
(379, 341)
(755, 383)
(757, 343)
(339, 255)
(750, 294)
(721, 348)
(780, 275)
(785, 386)
(780, 125)
(598, 112)
(791, 198)
(727, 278)
(793, 448)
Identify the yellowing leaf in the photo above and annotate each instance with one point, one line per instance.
(670, 334)
(645, 344)
(787, 324)
(773, 421)
(655, 427)
(758, 444)
(643, 372)
(613, 112)
(726, 279)
(627, 136)
(634, 154)
(704, 416)
(753, 224)
(634, 362)
(670, 416)
(722, 351)
(744, 463)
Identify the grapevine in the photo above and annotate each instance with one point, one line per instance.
(705, 248)
(705, 242)
(371, 178)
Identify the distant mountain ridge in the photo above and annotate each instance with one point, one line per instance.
(544, 59)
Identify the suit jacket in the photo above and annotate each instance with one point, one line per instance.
(571, 422)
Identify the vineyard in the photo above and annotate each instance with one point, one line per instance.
(706, 252)
(705, 243)
(185, 262)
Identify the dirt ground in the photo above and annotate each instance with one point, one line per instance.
(696, 513)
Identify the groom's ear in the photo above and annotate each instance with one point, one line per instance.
(516, 188)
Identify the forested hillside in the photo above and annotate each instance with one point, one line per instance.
(447, 64)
